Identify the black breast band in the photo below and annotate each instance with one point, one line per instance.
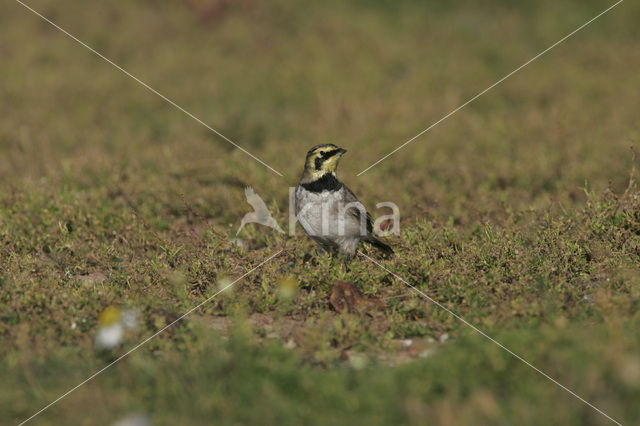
(328, 182)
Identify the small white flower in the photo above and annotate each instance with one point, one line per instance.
(112, 323)
(109, 337)
(129, 319)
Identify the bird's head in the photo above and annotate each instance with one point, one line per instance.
(322, 159)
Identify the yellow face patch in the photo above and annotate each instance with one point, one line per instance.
(323, 160)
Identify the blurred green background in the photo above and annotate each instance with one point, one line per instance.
(519, 211)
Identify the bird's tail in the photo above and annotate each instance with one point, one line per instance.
(377, 243)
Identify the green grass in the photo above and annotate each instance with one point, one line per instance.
(520, 212)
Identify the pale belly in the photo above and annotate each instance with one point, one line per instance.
(323, 216)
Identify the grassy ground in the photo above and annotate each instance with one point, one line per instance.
(520, 212)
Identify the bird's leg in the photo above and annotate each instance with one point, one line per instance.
(345, 262)
(346, 259)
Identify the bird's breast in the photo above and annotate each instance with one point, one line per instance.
(322, 214)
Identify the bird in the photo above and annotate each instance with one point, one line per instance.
(328, 210)
(260, 213)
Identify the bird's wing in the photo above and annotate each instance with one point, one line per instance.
(350, 197)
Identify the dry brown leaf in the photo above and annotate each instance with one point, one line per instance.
(345, 296)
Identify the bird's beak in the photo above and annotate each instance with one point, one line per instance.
(342, 151)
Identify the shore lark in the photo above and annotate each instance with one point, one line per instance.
(327, 210)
